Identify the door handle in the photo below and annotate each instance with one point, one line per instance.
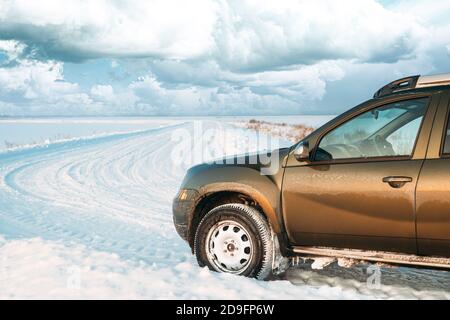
(397, 182)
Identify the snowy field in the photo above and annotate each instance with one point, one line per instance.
(85, 212)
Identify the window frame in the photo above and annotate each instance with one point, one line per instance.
(379, 158)
(442, 154)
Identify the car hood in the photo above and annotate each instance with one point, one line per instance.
(257, 160)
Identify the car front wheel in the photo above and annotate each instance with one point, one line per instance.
(235, 238)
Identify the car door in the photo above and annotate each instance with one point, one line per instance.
(433, 189)
(358, 188)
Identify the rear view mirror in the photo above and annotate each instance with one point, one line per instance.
(301, 152)
(375, 114)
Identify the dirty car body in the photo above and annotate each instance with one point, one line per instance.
(374, 179)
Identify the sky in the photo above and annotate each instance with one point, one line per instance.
(212, 57)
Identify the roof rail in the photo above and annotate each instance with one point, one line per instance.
(414, 82)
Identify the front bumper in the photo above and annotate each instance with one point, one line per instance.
(183, 209)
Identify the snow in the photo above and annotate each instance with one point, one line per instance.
(51, 270)
(91, 218)
(17, 133)
(322, 262)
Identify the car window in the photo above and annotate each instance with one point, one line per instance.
(401, 139)
(447, 137)
(387, 131)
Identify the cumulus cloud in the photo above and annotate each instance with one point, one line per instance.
(152, 97)
(12, 49)
(241, 35)
(103, 93)
(213, 56)
(34, 80)
(74, 30)
(258, 35)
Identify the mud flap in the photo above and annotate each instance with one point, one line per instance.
(279, 263)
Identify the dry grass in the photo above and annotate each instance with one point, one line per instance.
(290, 132)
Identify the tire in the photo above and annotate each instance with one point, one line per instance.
(235, 238)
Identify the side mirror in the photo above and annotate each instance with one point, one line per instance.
(301, 152)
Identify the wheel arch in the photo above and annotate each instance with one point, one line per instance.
(219, 194)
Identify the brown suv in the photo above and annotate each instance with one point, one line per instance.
(372, 184)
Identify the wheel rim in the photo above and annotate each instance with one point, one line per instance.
(229, 247)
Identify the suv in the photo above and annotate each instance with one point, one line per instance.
(372, 184)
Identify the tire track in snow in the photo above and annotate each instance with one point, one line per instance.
(111, 195)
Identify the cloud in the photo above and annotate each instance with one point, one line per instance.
(225, 100)
(75, 30)
(39, 88)
(240, 35)
(254, 35)
(103, 93)
(12, 49)
(297, 87)
(211, 56)
(34, 80)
